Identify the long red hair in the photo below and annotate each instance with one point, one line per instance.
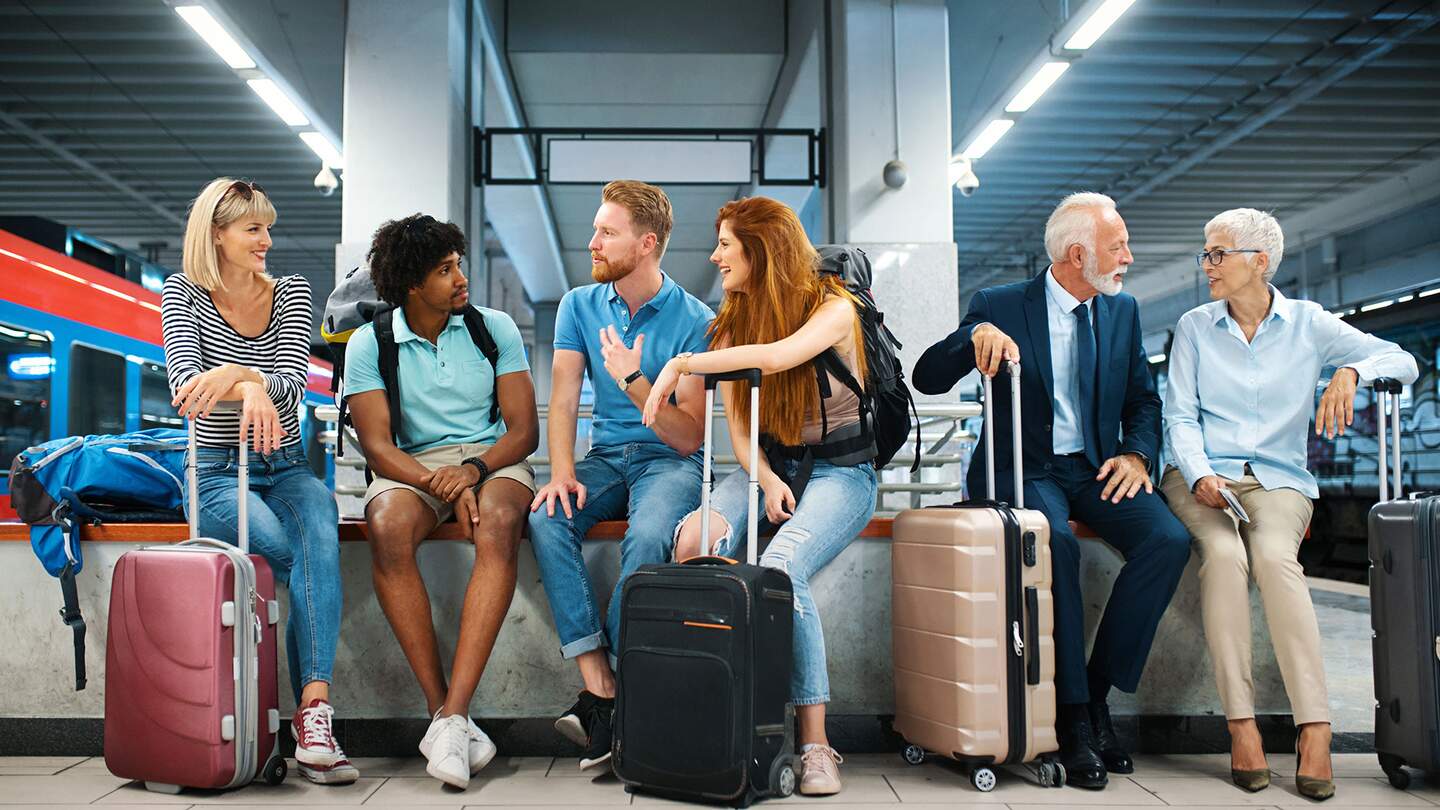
(784, 290)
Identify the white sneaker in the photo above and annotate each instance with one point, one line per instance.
(449, 751)
(481, 751)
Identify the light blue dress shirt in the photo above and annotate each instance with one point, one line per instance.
(1068, 436)
(1230, 403)
(673, 321)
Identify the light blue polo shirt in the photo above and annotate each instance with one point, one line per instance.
(672, 322)
(445, 388)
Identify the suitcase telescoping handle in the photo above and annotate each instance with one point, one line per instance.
(1387, 390)
(1017, 462)
(752, 375)
(192, 482)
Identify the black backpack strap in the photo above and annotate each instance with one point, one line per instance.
(475, 322)
(389, 363)
(70, 613)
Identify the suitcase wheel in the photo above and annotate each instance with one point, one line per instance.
(1394, 769)
(913, 754)
(274, 772)
(1050, 773)
(782, 778)
(983, 779)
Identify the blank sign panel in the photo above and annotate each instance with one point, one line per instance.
(678, 161)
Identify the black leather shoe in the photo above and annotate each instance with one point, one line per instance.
(1107, 744)
(1083, 767)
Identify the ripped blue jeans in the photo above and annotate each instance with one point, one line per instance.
(837, 504)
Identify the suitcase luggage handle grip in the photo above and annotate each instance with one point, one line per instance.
(1017, 456)
(750, 375)
(192, 481)
(708, 559)
(1387, 389)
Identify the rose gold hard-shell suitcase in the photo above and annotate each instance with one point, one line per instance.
(191, 698)
(972, 623)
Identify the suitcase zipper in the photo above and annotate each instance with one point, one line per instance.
(1014, 610)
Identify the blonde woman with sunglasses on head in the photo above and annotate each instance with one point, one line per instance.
(234, 332)
(1243, 372)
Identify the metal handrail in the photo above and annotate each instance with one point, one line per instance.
(940, 427)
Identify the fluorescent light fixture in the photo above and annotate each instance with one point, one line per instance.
(1376, 305)
(322, 147)
(1429, 292)
(215, 36)
(1099, 22)
(1036, 87)
(271, 94)
(1157, 358)
(987, 138)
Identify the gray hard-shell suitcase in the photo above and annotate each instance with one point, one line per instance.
(1404, 612)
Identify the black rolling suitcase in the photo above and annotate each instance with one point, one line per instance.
(703, 700)
(1404, 613)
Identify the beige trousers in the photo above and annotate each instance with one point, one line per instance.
(1267, 546)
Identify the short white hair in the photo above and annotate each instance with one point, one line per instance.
(1251, 230)
(1073, 223)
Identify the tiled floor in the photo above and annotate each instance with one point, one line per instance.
(871, 780)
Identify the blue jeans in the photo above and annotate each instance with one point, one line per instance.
(294, 525)
(650, 484)
(837, 504)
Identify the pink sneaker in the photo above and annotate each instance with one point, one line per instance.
(315, 743)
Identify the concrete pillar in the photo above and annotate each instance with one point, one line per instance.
(886, 103)
(407, 119)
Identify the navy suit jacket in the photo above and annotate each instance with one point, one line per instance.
(1129, 411)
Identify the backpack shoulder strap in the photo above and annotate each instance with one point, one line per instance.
(389, 363)
(480, 334)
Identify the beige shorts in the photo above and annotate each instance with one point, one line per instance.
(437, 457)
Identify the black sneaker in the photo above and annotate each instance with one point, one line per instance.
(587, 724)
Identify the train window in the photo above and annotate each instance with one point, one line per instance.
(24, 391)
(155, 408)
(97, 391)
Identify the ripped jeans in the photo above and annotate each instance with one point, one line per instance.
(837, 504)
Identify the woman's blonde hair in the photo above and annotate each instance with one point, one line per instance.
(784, 290)
(222, 202)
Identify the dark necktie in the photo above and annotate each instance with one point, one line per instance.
(1085, 342)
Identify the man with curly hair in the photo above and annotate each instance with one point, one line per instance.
(448, 451)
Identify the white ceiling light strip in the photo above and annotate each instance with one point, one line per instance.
(1078, 34)
(226, 39)
(215, 35)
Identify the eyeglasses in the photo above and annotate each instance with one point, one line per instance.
(245, 189)
(1216, 256)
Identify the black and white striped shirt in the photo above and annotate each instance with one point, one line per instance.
(198, 338)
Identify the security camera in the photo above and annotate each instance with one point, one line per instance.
(326, 181)
(962, 174)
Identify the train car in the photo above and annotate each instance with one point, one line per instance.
(80, 352)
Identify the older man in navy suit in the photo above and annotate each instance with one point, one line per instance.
(1091, 430)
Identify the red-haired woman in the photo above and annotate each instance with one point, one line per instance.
(781, 316)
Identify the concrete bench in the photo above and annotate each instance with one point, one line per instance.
(526, 677)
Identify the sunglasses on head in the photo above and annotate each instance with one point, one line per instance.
(245, 189)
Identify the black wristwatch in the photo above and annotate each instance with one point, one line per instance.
(630, 380)
(479, 465)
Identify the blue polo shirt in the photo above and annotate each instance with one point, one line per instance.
(446, 386)
(672, 322)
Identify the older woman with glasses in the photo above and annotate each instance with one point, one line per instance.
(1243, 373)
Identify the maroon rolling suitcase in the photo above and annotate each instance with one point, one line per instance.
(191, 698)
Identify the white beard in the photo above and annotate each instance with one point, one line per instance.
(1105, 285)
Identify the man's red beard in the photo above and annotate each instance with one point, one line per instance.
(606, 272)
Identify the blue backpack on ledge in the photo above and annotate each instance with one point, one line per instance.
(63, 484)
